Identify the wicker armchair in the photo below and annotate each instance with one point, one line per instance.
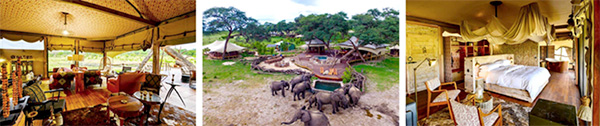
(443, 97)
(470, 115)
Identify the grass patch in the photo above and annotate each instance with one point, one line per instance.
(214, 72)
(384, 74)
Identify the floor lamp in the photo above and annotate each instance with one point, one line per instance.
(431, 62)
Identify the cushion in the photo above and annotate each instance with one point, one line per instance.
(442, 97)
(91, 78)
(433, 83)
(62, 80)
(485, 68)
(464, 115)
(131, 82)
(35, 92)
(152, 83)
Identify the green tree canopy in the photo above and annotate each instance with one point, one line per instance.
(221, 18)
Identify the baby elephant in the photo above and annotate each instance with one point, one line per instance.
(301, 89)
(310, 118)
(352, 92)
(276, 86)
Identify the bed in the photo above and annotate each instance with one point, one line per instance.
(502, 76)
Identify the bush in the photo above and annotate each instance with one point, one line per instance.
(347, 75)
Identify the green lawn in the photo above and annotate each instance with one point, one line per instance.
(384, 73)
(216, 74)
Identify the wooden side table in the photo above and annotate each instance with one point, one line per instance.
(148, 102)
(486, 103)
(126, 107)
(79, 86)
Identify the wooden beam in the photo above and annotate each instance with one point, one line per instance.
(596, 65)
(431, 21)
(561, 26)
(111, 11)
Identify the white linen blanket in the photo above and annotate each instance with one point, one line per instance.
(530, 78)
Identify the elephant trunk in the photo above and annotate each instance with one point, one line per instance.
(290, 122)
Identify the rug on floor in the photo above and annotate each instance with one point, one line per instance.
(513, 115)
(97, 115)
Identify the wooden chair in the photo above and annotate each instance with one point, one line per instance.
(443, 97)
(470, 115)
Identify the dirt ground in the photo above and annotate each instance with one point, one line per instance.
(233, 104)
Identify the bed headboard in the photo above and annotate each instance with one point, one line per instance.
(471, 71)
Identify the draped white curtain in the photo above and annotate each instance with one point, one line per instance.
(530, 25)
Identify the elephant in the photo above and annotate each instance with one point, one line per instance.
(310, 118)
(276, 86)
(336, 99)
(353, 94)
(299, 79)
(301, 89)
(312, 100)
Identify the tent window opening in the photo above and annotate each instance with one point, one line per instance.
(561, 54)
(58, 59)
(92, 61)
(21, 45)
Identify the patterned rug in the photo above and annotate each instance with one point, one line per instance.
(513, 115)
(97, 115)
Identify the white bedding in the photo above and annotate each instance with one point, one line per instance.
(530, 78)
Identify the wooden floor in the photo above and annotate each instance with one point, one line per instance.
(561, 88)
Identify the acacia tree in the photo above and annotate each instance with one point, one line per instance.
(374, 27)
(253, 30)
(221, 18)
(323, 26)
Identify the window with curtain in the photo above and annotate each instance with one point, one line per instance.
(91, 61)
(561, 54)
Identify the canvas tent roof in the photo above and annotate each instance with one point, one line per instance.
(94, 28)
(369, 47)
(315, 42)
(219, 46)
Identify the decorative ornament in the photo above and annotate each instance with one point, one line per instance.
(5, 106)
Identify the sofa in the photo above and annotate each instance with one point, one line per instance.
(129, 82)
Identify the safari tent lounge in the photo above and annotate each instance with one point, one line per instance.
(84, 95)
(369, 51)
(216, 49)
(315, 46)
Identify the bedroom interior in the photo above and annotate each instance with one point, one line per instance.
(526, 62)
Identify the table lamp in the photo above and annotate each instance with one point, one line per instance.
(75, 58)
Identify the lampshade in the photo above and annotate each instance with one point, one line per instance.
(75, 57)
(432, 62)
(2, 60)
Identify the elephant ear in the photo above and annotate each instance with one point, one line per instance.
(305, 116)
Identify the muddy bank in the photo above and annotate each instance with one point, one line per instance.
(242, 105)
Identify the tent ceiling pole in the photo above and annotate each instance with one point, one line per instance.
(136, 10)
(111, 11)
(496, 4)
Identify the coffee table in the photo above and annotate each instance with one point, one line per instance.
(486, 103)
(125, 107)
(149, 101)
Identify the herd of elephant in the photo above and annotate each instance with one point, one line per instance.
(346, 96)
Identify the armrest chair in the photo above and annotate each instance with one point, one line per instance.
(126, 82)
(443, 97)
(62, 80)
(38, 106)
(91, 78)
(469, 115)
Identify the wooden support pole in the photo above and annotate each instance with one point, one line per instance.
(45, 73)
(155, 57)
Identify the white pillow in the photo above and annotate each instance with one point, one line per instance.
(502, 62)
(485, 68)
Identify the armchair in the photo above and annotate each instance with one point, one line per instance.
(62, 80)
(470, 115)
(126, 82)
(38, 107)
(443, 97)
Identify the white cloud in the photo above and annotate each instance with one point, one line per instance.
(276, 10)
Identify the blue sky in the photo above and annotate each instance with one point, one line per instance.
(276, 10)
